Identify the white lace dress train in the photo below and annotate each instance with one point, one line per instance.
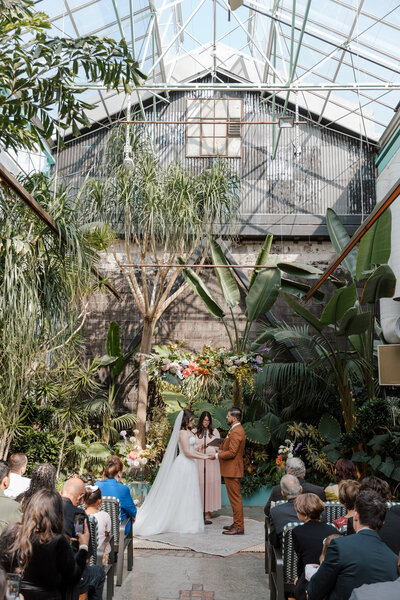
(176, 504)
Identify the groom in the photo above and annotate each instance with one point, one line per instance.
(230, 457)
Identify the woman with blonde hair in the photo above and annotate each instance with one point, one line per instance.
(348, 492)
(308, 539)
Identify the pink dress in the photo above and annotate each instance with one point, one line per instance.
(213, 475)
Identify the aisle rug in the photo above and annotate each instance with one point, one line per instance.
(211, 541)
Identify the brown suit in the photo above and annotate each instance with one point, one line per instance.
(231, 465)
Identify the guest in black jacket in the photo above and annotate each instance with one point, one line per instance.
(390, 530)
(308, 539)
(296, 467)
(38, 550)
(354, 560)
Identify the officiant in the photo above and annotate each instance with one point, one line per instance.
(210, 471)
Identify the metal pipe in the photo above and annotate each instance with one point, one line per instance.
(220, 120)
(155, 265)
(361, 231)
(250, 87)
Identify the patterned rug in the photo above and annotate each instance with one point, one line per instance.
(211, 541)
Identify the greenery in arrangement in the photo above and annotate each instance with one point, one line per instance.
(164, 213)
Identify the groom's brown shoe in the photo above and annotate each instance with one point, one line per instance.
(228, 526)
(233, 531)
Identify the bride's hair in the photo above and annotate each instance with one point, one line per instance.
(200, 428)
(187, 415)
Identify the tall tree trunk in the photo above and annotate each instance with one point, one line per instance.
(145, 347)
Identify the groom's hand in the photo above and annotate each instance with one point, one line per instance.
(212, 456)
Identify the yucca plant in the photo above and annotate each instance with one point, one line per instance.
(163, 213)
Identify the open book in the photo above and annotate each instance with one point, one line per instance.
(216, 442)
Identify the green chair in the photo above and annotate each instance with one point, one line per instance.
(122, 541)
(98, 553)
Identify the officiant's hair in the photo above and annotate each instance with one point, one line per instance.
(199, 427)
(236, 412)
(187, 415)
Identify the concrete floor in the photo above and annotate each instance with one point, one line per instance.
(157, 575)
(162, 573)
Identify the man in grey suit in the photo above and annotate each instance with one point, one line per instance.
(296, 467)
(354, 560)
(282, 514)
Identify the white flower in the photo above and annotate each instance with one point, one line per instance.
(148, 446)
(143, 461)
(136, 463)
(290, 455)
(132, 439)
(136, 502)
(135, 431)
(122, 433)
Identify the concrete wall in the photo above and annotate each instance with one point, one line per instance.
(187, 319)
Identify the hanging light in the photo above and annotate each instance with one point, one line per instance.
(285, 122)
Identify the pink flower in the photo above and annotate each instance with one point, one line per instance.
(133, 455)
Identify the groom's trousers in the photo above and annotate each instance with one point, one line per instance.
(235, 498)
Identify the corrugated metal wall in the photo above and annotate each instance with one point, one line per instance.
(287, 196)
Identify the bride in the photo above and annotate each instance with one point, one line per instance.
(174, 503)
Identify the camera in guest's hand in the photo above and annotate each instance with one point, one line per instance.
(13, 586)
(79, 523)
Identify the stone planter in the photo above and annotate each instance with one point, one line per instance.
(259, 498)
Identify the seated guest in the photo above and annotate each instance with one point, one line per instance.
(10, 511)
(313, 567)
(308, 539)
(43, 478)
(282, 514)
(39, 551)
(390, 530)
(92, 500)
(344, 469)
(295, 467)
(18, 483)
(111, 486)
(348, 490)
(93, 576)
(353, 560)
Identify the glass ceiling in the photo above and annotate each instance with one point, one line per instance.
(340, 58)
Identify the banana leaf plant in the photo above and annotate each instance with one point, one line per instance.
(265, 283)
(341, 349)
(104, 405)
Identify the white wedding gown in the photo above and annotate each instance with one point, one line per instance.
(173, 503)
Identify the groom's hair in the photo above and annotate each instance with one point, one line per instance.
(236, 412)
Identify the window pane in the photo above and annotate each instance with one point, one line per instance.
(193, 130)
(193, 109)
(193, 147)
(220, 146)
(234, 147)
(235, 108)
(207, 109)
(208, 130)
(220, 130)
(207, 146)
(221, 108)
